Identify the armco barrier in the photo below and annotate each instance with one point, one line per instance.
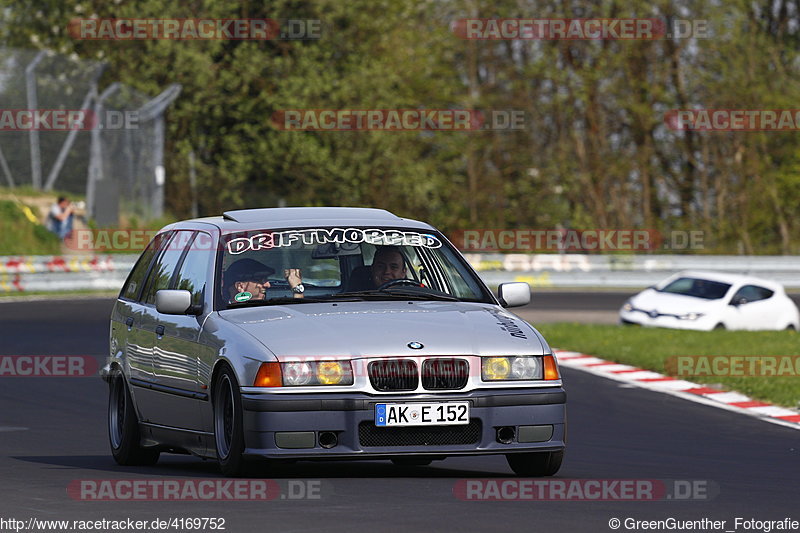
(634, 271)
(64, 273)
(108, 272)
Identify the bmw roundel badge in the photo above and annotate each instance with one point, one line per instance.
(415, 345)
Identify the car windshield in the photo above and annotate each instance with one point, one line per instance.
(699, 288)
(294, 266)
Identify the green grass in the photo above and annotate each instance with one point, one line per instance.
(20, 236)
(649, 348)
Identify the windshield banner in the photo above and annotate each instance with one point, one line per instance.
(376, 237)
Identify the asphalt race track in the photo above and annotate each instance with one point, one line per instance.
(53, 431)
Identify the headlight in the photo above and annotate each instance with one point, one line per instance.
(301, 373)
(628, 306)
(297, 374)
(317, 373)
(511, 368)
(691, 316)
(334, 373)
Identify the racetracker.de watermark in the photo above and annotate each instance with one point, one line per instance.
(48, 366)
(192, 29)
(733, 119)
(199, 490)
(575, 240)
(549, 29)
(585, 489)
(733, 365)
(121, 240)
(66, 119)
(398, 119)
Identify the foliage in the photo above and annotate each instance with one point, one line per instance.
(596, 152)
(19, 236)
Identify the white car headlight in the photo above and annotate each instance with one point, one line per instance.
(628, 306)
(525, 368)
(295, 374)
(691, 316)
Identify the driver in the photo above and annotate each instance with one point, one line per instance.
(387, 265)
(248, 279)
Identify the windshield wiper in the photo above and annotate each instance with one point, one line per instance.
(276, 301)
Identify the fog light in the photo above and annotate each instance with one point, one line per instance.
(505, 435)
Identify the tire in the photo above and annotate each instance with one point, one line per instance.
(123, 427)
(535, 464)
(228, 425)
(720, 326)
(791, 327)
(411, 461)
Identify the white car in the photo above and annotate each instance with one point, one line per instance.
(712, 300)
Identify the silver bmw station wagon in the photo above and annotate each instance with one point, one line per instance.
(313, 333)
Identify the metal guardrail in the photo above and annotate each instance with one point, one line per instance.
(108, 272)
(581, 270)
(64, 273)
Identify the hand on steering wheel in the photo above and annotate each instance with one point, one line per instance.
(393, 282)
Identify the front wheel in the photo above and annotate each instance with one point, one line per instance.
(123, 427)
(228, 432)
(535, 464)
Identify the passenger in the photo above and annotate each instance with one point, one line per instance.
(248, 279)
(387, 265)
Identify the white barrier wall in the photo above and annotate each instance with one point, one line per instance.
(108, 272)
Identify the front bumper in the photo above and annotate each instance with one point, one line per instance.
(273, 418)
(665, 321)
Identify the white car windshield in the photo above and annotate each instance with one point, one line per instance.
(699, 288)
(267, 267)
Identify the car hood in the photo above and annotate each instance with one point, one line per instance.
(677, 304)
(356, 329)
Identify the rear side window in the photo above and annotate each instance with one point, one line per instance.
(166, 264)
(194, 270)
(133, 286)
(753, 293)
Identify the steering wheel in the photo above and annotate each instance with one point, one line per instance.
(393, 282)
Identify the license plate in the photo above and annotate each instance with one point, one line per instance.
(422, 414)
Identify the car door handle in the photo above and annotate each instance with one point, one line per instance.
(160, 331)
(129, 322)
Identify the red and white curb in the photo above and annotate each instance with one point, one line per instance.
(732, 401)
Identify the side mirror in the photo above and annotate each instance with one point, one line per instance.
(514, 294)
(169, 302)
(736, 302)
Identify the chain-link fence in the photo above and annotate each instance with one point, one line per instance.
(115, 160)
(127, 164)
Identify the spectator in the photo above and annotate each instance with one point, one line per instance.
(59, 220)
